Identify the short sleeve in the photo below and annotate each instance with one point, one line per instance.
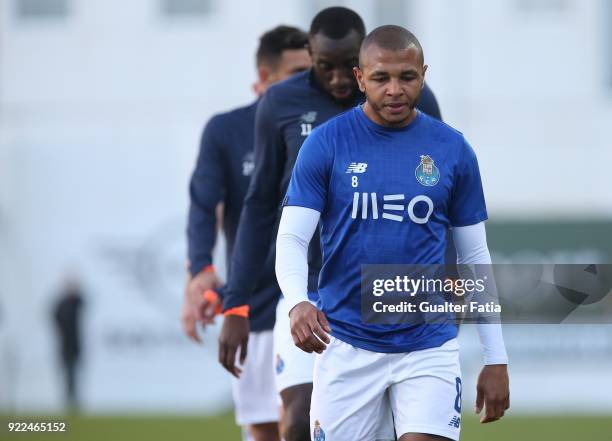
(310, 178)
(467, 205)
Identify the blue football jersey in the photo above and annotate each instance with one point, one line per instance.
(386, 196)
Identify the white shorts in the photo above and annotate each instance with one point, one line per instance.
(364, 395)
(292, 365)
(255, 397)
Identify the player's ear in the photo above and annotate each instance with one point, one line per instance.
(424, 70)
(263, 73)
(359, 77)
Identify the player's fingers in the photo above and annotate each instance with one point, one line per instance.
(493, 410)
(192, 332)
(490, 413)
(323, 322)
(230, 359)
(189, 328)
(297, 337)
(501, 407)
(199, 313)
(500, 404)
(227, 355)
(317, 345)
(208, 321)
(300, 332)
(307, 338)
(507, 404)
(296, 340)
(243, 350)
(208, 311)
(321, 334)
(222, 351)
(306, 347)
(304, 342)
(479, 400)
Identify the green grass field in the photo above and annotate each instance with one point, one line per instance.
(222, 428)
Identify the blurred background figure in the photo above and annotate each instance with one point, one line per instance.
(66, 316)
(222, 175)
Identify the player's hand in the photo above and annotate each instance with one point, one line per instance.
(493, 392)
(309, 328)
(204, 308)
(189, 321)
(234, 335)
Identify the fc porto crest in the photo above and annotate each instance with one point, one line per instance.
(427, 173)
(317, 433)
(280, 365)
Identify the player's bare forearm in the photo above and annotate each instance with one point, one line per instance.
(493, 392)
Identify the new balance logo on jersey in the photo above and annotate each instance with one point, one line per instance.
(394, 207)
(455, 422)
(357, 167)
(307, 119)
(248, 164)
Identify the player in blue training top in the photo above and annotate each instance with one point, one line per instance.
(222, 174)
(384, 182)
(285, 117)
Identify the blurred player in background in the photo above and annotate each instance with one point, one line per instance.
(373, 382)
(222, 174)
(67, 316)
(285, 117)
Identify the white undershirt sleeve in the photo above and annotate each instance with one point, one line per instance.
(297, 225)
(471, 244)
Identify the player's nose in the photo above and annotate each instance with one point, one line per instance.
(339, 78)
(394, 88)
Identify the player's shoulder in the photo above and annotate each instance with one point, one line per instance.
(441, 130)
(295, 84)
(452, 139)
(440, 127)
(338, 123)
(244, 114)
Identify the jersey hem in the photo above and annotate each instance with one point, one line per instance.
(397, 349)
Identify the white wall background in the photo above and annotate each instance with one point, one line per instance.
(100, 115)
